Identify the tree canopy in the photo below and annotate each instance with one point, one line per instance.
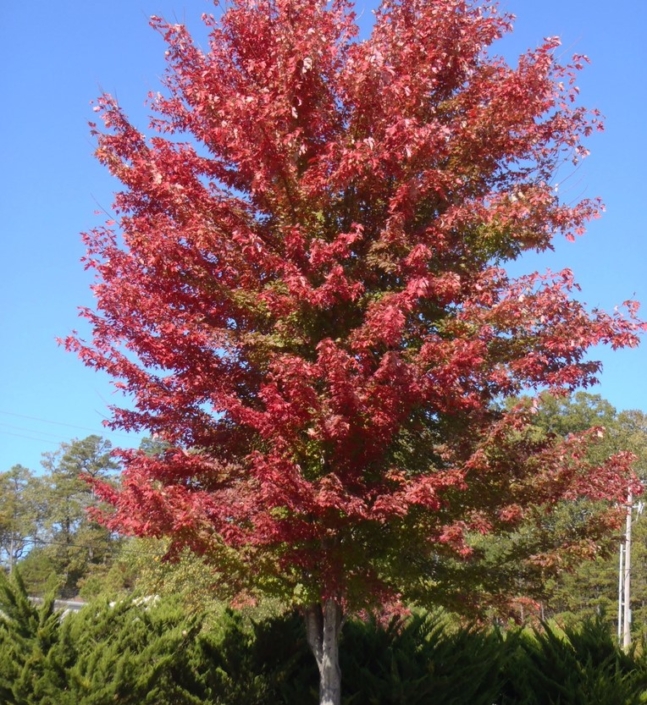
(44, 521)
(304, 293)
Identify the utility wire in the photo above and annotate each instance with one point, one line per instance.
(30, 438)
(60, 423)
(29, 430)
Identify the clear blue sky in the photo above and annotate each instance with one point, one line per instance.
(57, 57)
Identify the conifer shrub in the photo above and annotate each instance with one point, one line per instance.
(251, 662)
(29, 633)
(418, 661)
(576, 665)
(132, 653)
(129, 653)
(139, 651)
(152, 652)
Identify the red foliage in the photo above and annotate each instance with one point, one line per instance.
(304, 295)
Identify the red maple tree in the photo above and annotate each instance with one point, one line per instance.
(304, 295)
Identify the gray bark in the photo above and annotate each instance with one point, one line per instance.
(323, 627)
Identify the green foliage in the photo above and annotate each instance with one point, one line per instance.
(419, 661)
(150, 652)
(583, 590)
(142, 651)
(38, 570)
(20, 508)
(29, 670)
(577, 666)
(143, 563)
(253, 663)
(187, 648)
(128, 652)
(574, 414)
(49, 516)
(74, 543)
(131, 653)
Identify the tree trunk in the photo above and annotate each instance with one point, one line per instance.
(12, 551)
(323, 627)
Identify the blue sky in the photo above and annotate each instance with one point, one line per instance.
(57, 57)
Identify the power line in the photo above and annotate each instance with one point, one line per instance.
(60, 423)
(30, 438)
(28, 430)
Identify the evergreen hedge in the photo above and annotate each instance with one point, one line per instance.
(152, 652)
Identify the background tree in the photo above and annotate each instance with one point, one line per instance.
(304, 296)
(592, 588)
(71, 544)
(19, 513)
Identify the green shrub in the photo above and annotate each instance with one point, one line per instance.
(419, 661)
(151, 652)
(29, 673)
(131, 653)
(254, 663)
(574, 666)
(126, 653)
